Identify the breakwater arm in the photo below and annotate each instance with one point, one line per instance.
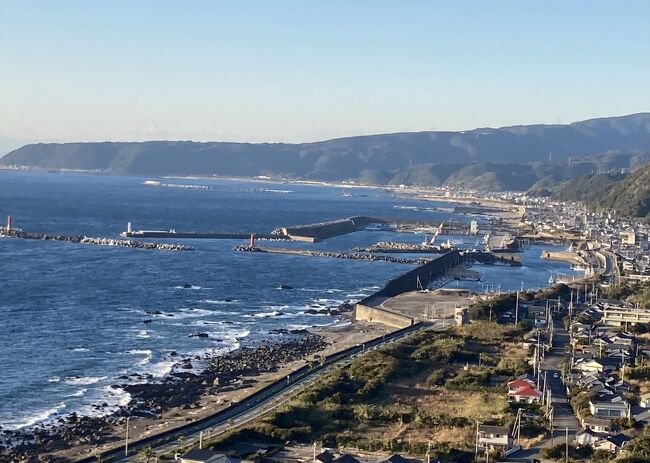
(332, 254)
(82, 239)
(398, 247)
(321, 231)
(200, 235)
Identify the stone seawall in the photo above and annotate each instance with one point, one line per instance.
(376, 315)
(419, 277)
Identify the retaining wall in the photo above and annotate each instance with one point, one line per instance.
(373, 314)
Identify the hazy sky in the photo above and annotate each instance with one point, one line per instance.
(307, 70)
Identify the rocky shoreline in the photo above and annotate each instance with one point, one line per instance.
(179, 390)
(82, 239)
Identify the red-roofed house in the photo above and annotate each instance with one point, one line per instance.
(518, 384)
(526, 394)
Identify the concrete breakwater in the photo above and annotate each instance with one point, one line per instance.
(321, 231)
(418, 278)
(200, 235)
(570, 257)
(490, 258)
(398, 247)
(82, 239)
(332, 254)
(368, 309)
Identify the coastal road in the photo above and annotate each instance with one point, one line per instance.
(253, 406)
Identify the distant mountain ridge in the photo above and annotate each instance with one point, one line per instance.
(476, 159)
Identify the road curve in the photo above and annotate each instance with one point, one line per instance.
(250, 407)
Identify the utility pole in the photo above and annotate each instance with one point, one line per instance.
(517, 309)
(476, 446)
(566, 454)
(552, 415)
(126, 439)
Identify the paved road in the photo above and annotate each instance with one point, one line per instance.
(254, 405)
(564, 416)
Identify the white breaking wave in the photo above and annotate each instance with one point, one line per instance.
(54, 379)
(79, 393)
(142, 334)
(37, 417)
(145, 352)
(263, 314)
(214, 301)
(84, 380)
(160, 369)
(191, 313)
(79, 349)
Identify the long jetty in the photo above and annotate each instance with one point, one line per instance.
(199, 235)
(332, 254)
(398, 247)
(83, 239)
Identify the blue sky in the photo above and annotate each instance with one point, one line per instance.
(308, 70)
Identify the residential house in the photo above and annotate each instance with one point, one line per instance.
(588, 437)
(640, 415)
(325, 457)
(523, 391)
(612, 444)
(345, 458)
(599, 425)
(610, 409)
(644, 400)
(206, 456)
(494, 438)
(589, 366)
(395, 458)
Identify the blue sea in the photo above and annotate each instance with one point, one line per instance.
(73, 316)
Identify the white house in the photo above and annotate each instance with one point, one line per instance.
(610, 409)
(494, 437)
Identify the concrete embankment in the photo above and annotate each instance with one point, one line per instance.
(368, 309)
(570, 257)
(332, 254)
(82, 239)
(491, 258)
(378, 315)
(321, 231)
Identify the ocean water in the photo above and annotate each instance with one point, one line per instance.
(75, 318)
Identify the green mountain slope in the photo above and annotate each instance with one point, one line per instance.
(587, 188)
(381, 157)
(630, 196)
(626, 194)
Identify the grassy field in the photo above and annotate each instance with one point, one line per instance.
(428, 386)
